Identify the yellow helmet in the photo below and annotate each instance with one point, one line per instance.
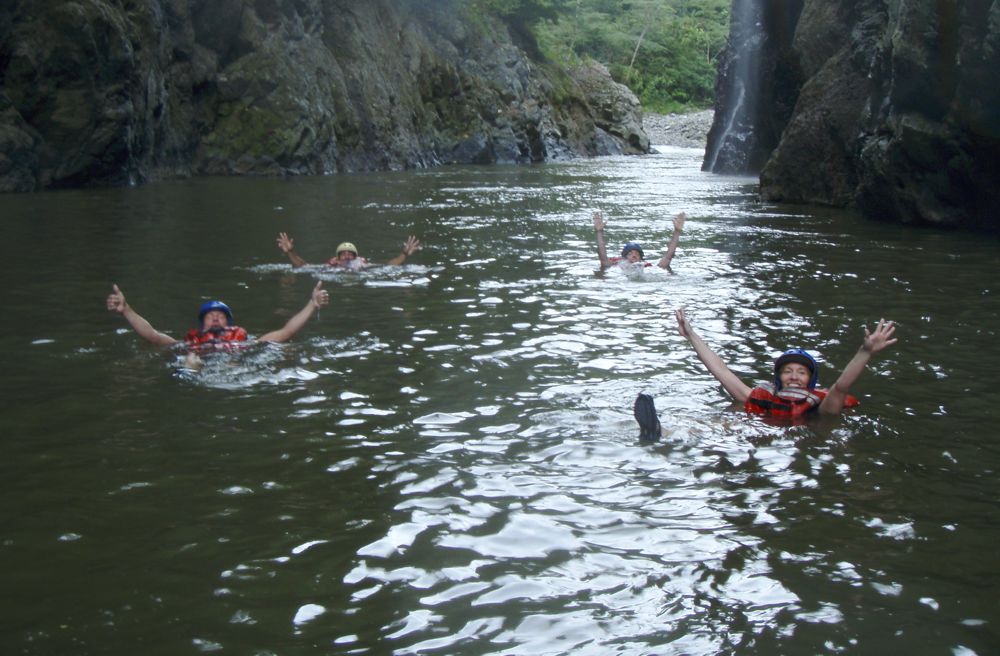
(347, 246)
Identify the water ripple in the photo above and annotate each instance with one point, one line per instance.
(445, 459)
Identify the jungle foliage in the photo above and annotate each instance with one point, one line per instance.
(664, 50)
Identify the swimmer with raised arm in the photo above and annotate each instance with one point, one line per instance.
(347, 257)
(632, 252)
(793, 393)
(216, 330)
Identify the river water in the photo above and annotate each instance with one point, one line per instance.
(444, 461)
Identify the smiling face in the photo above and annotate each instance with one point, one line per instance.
(214, 320)
(794, 375)
(344, 257)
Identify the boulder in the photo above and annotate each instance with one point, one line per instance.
(617, 115)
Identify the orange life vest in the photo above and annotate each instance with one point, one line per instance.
(224, 340)
(765, 399)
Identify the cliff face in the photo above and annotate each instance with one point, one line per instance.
(122, 91)
(896, 109)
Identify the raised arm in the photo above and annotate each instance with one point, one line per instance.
(730, 381)
(318, 299)
(411, 246)
(668, 255)
(117, 303)
(602, 253)
(287, 246)
(872, 344)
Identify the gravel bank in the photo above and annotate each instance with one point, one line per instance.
(684, 130)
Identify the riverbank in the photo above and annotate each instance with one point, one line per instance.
(683, 130)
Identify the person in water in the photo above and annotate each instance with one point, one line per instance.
(347, 256)
(792, 394)
(632, 253)
(216, 330)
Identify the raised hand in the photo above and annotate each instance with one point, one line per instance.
(320, 297)
(285, 243)
(411, 246)
(116, 300)
(881, 338)
(599, 224)
(679, 221)
(873, 343)
(683, 327)
(116, 303)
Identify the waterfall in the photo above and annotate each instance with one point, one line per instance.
(733, 135)
(735, 112)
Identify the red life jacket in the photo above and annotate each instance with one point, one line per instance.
(224, 340)
(765, 399)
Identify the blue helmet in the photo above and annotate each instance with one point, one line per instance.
(633, 246)
(209, 306)
(801, 357)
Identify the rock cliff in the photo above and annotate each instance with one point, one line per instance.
(895, 107)
(123, 91)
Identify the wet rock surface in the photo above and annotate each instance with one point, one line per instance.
(118, 93)
(893, 109)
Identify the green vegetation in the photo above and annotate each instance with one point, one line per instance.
(664, 50)
(525, 12)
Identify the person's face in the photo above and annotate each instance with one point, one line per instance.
(345, 256)
(214, 319)
(633, 256)
(794, 374)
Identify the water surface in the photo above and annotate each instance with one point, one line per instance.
(445, 461)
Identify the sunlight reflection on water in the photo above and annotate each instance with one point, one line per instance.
(445, 460)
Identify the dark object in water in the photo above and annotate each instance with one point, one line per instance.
(645, 414)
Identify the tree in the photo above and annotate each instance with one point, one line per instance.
(526, 12)
(664, 50)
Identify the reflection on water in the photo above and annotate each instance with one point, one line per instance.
(444, 460)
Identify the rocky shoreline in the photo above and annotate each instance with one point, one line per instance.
(681, 130)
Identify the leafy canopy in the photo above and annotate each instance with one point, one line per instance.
(664, 50)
